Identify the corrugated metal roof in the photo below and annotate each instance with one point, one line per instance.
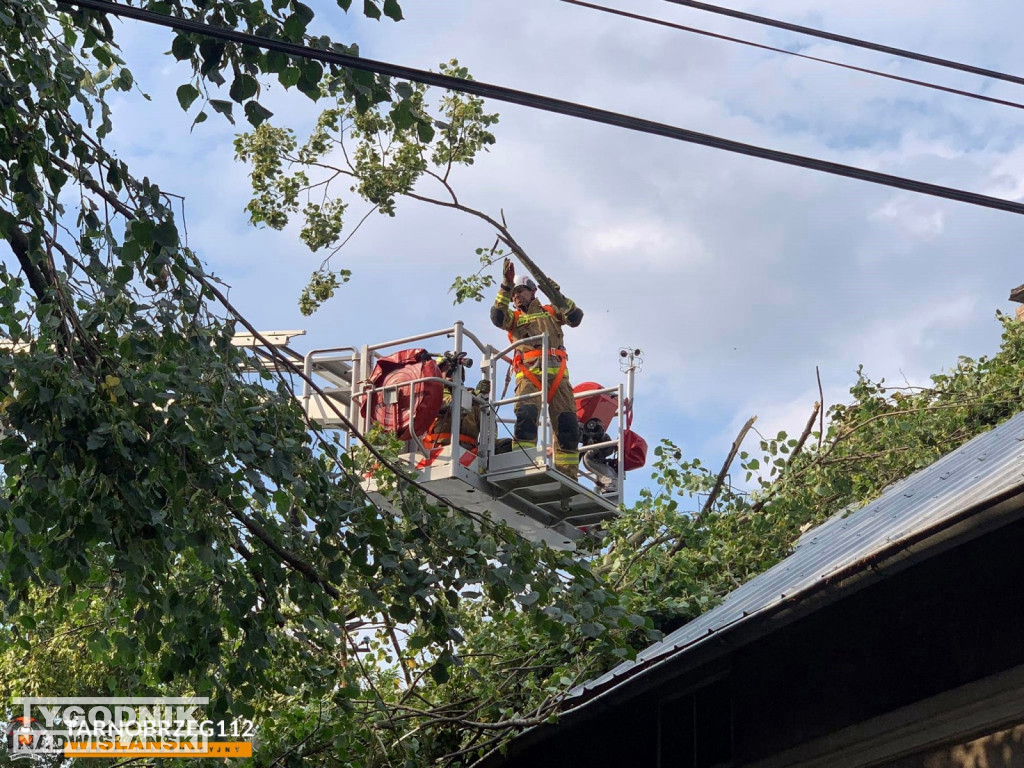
(989, 465)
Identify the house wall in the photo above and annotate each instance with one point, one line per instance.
(939, 625)
(922, 635)
(1003, 748)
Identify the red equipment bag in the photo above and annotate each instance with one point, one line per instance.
(634, 447)
(601, 407)
(391, 411)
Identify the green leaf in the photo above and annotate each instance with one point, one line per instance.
(370, 9)
(223, 107)
(302, 11)
(276, 62)
(439, 672)
(142, 232)
(187, 94)
(124, 81)
(243, 87)
(295, 27)
(425, 131)
(309, 82)
(21, 526)
(256, 113)
(166, 234)
(182, 48)
(212, 53)
(392, 10)
(290, 76)
(404, 89)
(402, 117)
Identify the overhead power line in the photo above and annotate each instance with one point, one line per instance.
(901, 52)
(762, 46)
(559, 106)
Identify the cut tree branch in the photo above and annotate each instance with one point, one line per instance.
(550, 288)
(821, 401)
(806, 433)
(720, 480)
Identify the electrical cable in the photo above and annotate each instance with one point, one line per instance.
(558, 106)
(773, 49)
(891, 50)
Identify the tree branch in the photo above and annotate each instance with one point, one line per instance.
(293, 560)
(821, 401)
(546, 284)
(806, 433)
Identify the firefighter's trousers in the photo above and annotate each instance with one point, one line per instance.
(564, 425)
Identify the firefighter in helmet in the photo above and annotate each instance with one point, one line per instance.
(440, 433)
(531, 318)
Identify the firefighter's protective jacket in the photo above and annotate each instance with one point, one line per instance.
(537, 319)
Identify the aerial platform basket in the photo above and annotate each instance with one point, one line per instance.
(520, 487)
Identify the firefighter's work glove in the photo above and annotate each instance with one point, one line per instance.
(483, 389)
(508, 272)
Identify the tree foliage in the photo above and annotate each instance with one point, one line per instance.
(171, 525)
(169, 522)
(381, 156)
(671, 566)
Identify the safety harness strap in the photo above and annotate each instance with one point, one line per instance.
(532, 376)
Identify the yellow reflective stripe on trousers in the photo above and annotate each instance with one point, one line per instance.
(567, 458)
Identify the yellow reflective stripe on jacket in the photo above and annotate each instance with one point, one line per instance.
(529, 318)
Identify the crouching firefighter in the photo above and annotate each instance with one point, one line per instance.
(440, 433)
(531, 318)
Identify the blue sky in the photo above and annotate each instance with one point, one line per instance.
(735, 276)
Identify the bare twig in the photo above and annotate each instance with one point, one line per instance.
(821, 401)
(398, 649)
(501, 725)
(350, 234)
(719, 481)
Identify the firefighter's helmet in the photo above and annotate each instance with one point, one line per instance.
(525, 281)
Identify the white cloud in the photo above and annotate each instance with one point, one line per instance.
(904, 342)
(921, 219)
(621, 241)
